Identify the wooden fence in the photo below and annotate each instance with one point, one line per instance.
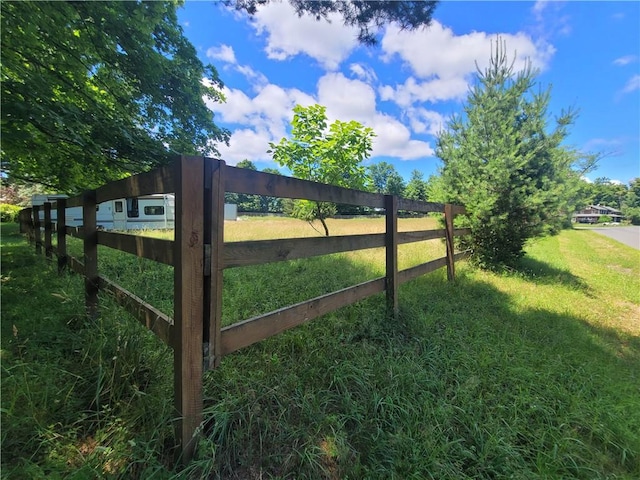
(199, 255)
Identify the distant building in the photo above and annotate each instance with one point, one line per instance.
(592, 214)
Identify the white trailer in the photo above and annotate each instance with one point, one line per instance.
(148, 212)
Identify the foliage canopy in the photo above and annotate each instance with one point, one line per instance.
(331, 154)
(93, 91)
(386, 179)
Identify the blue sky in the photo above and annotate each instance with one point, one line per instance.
(412, 82)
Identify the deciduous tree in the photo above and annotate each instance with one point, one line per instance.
(386, 179)
(607, 192)
(631, 204)
(93, 91)
(331, 154)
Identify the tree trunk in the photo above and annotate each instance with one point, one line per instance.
(326, 229)
(320, 216)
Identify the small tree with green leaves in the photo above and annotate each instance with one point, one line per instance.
(503, 162)
(331, 154)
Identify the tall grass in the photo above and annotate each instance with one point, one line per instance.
(532, 373)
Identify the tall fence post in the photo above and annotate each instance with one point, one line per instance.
(188, 300)
(47, 230)
(90, 242)
(391, 244)
(214, 242)
(448, 219)
(61, 232)
(36, 228)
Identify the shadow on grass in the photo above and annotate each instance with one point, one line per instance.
(463, 385)
(544, 274)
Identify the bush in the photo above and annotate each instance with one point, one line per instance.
(9, 213)
(604, 219)
(633, 215)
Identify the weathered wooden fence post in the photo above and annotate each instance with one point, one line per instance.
(90, 242)
(448, 219)
(188, 300)
(391, 247)
(61, 232)
(47, 230)
(214, 242)
(36, 228)
(22, 218)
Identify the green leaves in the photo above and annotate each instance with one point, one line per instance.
(93, 91)
(324, 154)
(328, 154)
(385, 179)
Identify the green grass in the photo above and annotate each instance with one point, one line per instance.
(532, 373)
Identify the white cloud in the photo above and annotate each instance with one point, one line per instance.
(346, 99)
(435, 90)
(265, 117)
(351, 99)
(289, 35)
(626, 60)
(443, 63)
(257, 79)
(549, 20)
(262, 118)
(437, 51)
(394, 140)
(632, 85)
(246, 143)
(539, 7)
(426, 121)
(223, 53)
(363, 72)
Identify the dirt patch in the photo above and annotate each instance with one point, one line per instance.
(629, 320)
(619, 269)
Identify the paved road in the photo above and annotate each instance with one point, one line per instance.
(628, 235)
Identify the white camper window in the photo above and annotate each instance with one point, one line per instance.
(154, 210)
(118, 206)
(132, 208)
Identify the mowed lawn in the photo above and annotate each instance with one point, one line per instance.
(528, 373)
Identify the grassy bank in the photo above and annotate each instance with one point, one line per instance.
(528, 374)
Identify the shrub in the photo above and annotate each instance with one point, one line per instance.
(9, 213)
(633, 215)
(604, 219)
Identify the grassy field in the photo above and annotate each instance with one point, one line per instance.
(532, 373)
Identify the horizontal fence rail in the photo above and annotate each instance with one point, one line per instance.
(199, 256)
